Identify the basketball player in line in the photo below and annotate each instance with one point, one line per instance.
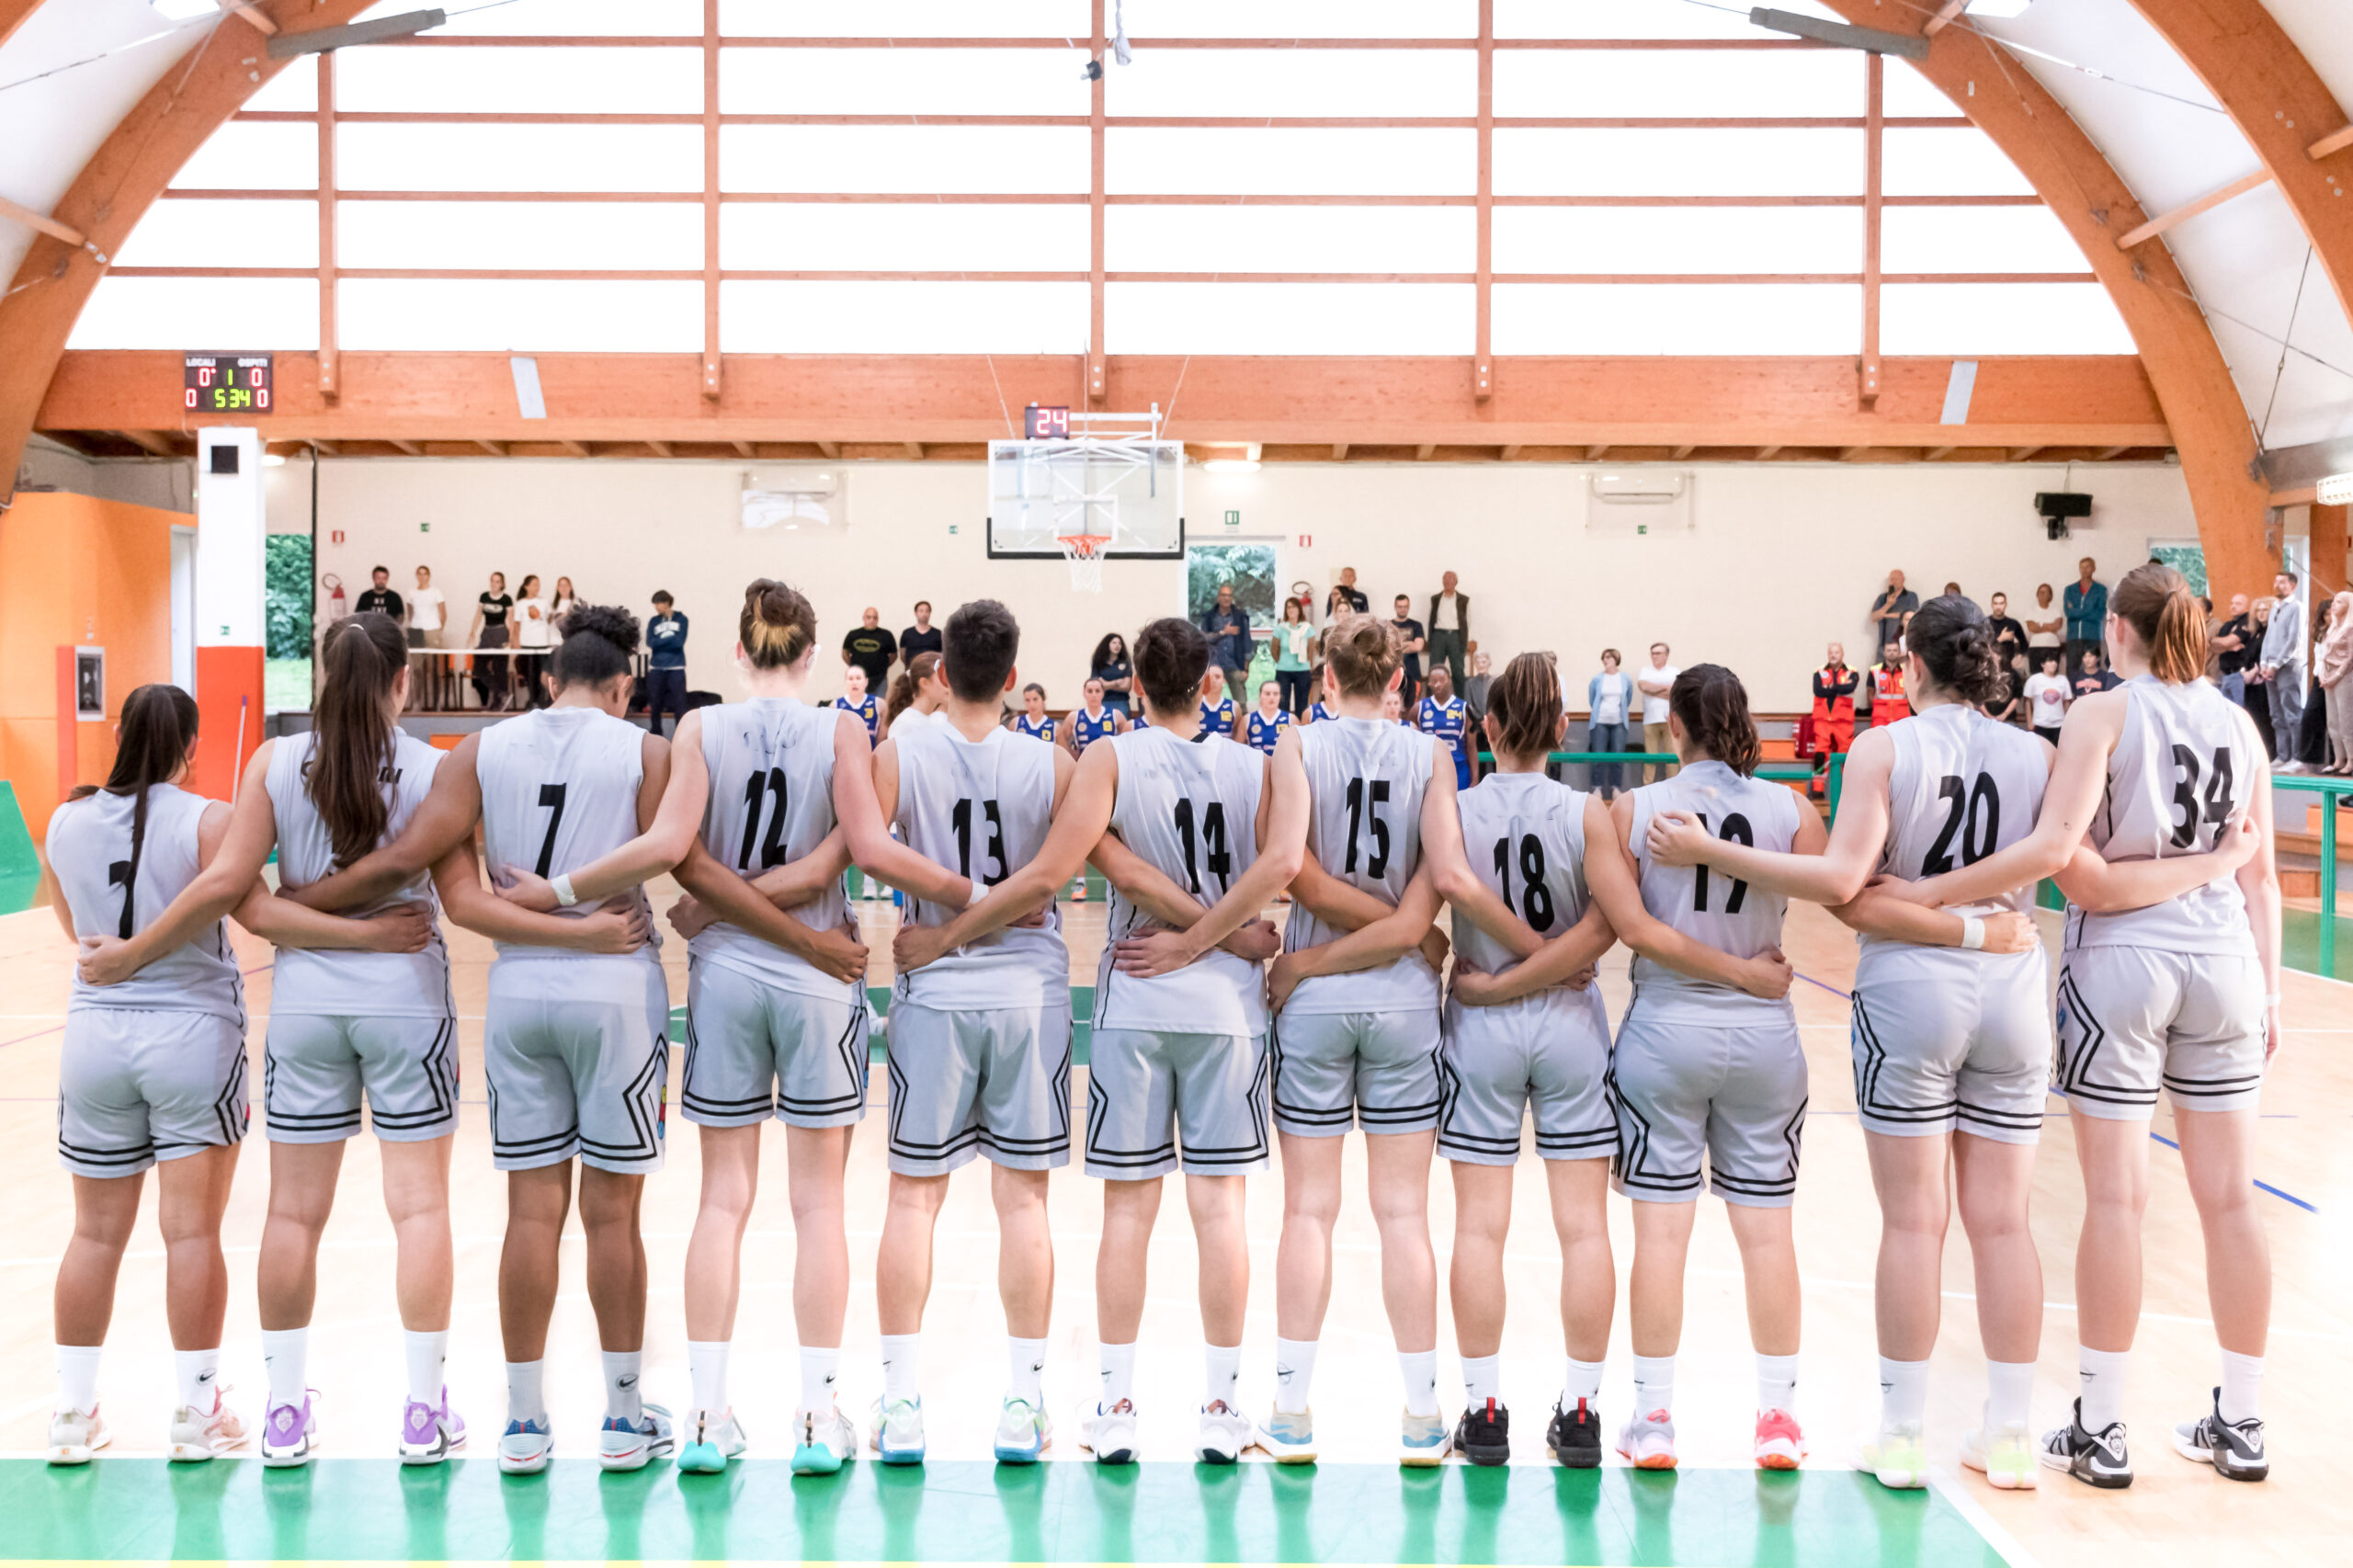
(2181, 995)
(1091, 722)
(1951, 1034)
(152, 1069)
(1195, 837)
(856, 698)
(1033, 720)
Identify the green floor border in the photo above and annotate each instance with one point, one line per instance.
(375, 1510)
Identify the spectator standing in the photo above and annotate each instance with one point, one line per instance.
(2258, 696)
(561, 603)
(2282, 666)
(379, 597)
(1111, 665)
(665, 675)
(1656, 683)
(2331, 663)
(1474, 690)
(1345, 598)
(2009, 636)
(1834, 708)
(1890, 703)
(2087, 606)
(2093, 679)
(2311, 730)
(428, 612)
(1894, 602)
(923, 637)
(1294, 656)
(2233, 641)
(1227, 625)
(1610, 705)
(530, 633)
(2046, 695)
(2044, 633)
(871, 649)
(492, 608)
(1410, 641)
(1450, 627)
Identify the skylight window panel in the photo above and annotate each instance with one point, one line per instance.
(1243, 238)
(1636, 18)
(904, 18)
(1286, 161)
(565, 80)
(517, 157)
(1678, 84)
(1030, 159)
(557, 237)
(281, 314)
(627, 19)
(862, 236)
(1905, 93)
(1679, 163)
(294, 90)
(1149, 19)
(2000, 318)
(1678, 239)
(902, 81)
(538, 315)
(1301, 83)
(878, 317)
(1677, 318)
(1962, 161)
(243, 155)
(1288, 318)
(224, 233)
(1977, 239)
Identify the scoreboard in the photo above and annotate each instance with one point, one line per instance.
(227, 383)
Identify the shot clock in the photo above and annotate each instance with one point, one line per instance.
(227, 383)
(1044, 424)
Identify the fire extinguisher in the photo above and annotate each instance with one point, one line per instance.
(336, 607)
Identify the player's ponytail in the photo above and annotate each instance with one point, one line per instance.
(2156, 603)
(1171, 658)
(363, 656)
(157, 733)
(599, 640)
(778, 625)
(1713, 708)
(1525, 703)
(1363, 654)
(903, 689)
(1954, 639)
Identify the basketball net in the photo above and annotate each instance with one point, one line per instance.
(1085, 554)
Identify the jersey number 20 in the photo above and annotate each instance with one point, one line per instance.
(1976, 819)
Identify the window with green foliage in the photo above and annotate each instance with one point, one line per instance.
(2189, 559)
(286, 599)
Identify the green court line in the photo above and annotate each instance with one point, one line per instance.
(375, 1510)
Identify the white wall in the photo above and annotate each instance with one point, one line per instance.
(1783, 557)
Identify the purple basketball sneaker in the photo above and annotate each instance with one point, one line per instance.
(427, 1434)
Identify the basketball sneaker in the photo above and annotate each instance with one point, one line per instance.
(200, 1435)
(716, 1440)
(1897, 1457)
(523, 1447)
(289, 1432)
(897, 1432)
(1574, 1435)
(1110, 1434)
(1289, 1436)
(2096, 1459)
(429, 1433)
(1225, 1432)
(1647, 1442)
(1779, 1444)
(629, 1445)
(828, 1440)
(1422, 1441)
(1483, 1435)
(1023, 1432)
(76, 1434)
(2234, 1448)
(2006, 1457)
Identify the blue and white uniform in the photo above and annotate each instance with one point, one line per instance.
(1447, 721)
(1262, 734)
(1087, 728)
(1318, 713)
(1217, 718)
(870, 713)
(1043, 729)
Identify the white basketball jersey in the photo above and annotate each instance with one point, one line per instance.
(2181, 777)
(327, 981)
(1704, 903)
(771, 763)
(559, 789)
(1963, 785)
(1191, 810)
(1365, 782)
(1525, 835)
(90, 850)
(982, 809)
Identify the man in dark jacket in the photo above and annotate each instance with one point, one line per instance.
(1450, 629)
(1227, 625)
(665, 675)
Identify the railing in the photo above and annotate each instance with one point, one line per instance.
(2329, 789)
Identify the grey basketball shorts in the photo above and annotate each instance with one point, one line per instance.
(317, 1069)
(1732, 1089)
(1945, 1039)
(2131, 1020)
(755, 1051)
(136, 1087)
(1335, 1070)
(1145, 1089)
(1548, 1054)
(979, 1080)
(572, 1068)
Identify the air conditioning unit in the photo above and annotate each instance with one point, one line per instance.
(794, 498)
(1639, 500)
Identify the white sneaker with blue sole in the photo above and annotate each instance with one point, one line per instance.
(1023, 1432)
(716, 1438)
(898, 1430)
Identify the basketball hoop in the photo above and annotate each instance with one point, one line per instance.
(1085, 554)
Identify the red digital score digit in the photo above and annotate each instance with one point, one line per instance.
(1046, 424)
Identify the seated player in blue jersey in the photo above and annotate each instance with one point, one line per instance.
(1319, 709)
(1444, 715)
(1034, 719)
(1091, 721)
(1393, 709)
(1267, 723)
(1219, 712)
(856, 699)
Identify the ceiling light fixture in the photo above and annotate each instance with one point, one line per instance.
(2336, 490)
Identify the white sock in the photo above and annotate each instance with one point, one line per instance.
(1653, 1384)
(1223, 1363)
(285, 1353)
(1903, 1394)
(428, 1356)
(77, 1378)
(1582, 1381)
(526, 1400)
(200, 1377)
(2101, 1374)
(1419, 1368)
(2242, 1395)
(2009, 1394)
(622, 1400)
(1776, 1382)
(821, 1370)
(1481, 1378)
(1294, 1370)
(899, 1366)
(707, 1371)
(1118, 1375)
(1025, 1360)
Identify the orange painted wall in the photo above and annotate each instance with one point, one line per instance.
(77, 571)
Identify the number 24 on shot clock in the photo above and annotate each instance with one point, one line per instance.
(227, 383)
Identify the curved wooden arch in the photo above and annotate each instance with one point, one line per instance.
(138, 158)
(13, 14)
(2201, 405)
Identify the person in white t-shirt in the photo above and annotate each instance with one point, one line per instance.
(427, 613)
(1655, 682)
(2047, 695)
(531, 624)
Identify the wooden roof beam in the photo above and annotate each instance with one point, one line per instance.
(2108, 453)
(832, 449)
(577, 448)
(743, 450)
(1944, 17)
(1506, 454)
(660, 449)
(2335, 142)
(152, 441)
(65, 234)
(2019, 454)
(409, 449)
(1685, 450)
(256, 15)
(2188, 210)
(1422, 453)
(915, 450)
(493, 448)
(1764, 452)
(1595, 454)
(1339, 452)
(1933, 453)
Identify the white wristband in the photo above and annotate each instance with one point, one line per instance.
(1972, 933)
(979, 891)
(563, 893)
(2271, 999)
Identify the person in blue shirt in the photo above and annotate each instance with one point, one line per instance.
(2087, 605)
(1266, 722)
(1095, 720)
(856, 699)
(1444, 715)
(665, 675)
(1034, 719)
(1219, 715)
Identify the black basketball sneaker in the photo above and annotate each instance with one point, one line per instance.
(2096, 1459)
(1483, 1435)
(2234, 1448)
(1574, 1435)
